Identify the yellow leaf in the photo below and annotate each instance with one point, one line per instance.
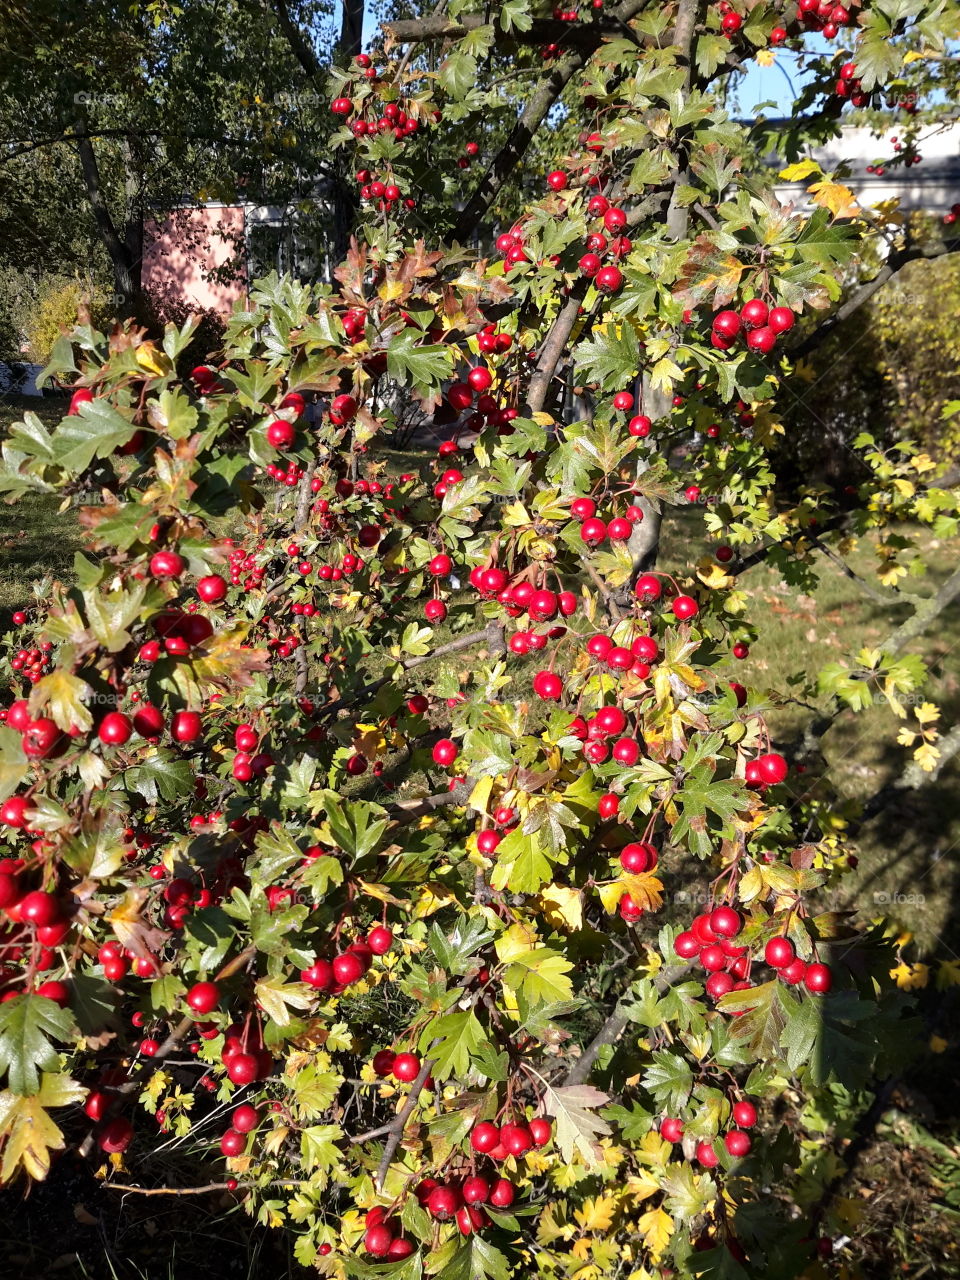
(910, 977)
(62, 697)
(913, 55)
(480, 796)
(927, 712)
(432, 898)
(926, 757)
(596, 1213)
(28, 1132)
(937, 1044)
(641, 1186)
(391, 290)
(834, 196)
(766, 57)
(948, 974)
(656, 1227)
(713, 575)
(562, 906)
(515, 515)
(802, 169)
(380, 892)
(150, 358)
(905, 738)
(891, 574)
(517, 941)
(542, 419)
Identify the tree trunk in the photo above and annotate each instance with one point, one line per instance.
(126, 264)
(351, 29)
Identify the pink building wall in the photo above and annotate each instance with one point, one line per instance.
(183, 250)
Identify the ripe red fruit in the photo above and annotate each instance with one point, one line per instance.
(203, 997)
(726, 324)
(347, 968)
(502, 1194)
(671, 1130)
(725, 922)
(686, 945)
(342, 409)
(684, 607)
(516, 1138)
(383, 1062)
(380, 940)
(614, 219)
(772, 768)
(281, 434)
(541, 1131)
(754, 314)
(40, 738)
(648, 587)
(115, 729)
(731, 23)
(435, 611)
(480, 378)
(781, 319)
(484, 1137)
(636, 858)
(745, 1114)
(406, 1067)
(185, 726)
(619, 530)
(400, 1248)
(818, 979)
(626, 751)
(718, 984)
(740, 650)
(377, 1240)
(762, 340)
(148, 721)
(443, 1202)
(609, 279)
(166, 564)
(212, 588)
(737, 1143)
(39, 908)
(444, 752)
(115, 1135)
(58, 992)
(593, 532)
(623, 401)
(547, 685)
(609, 805)
(245, 1118)
(440, 566)
(232, 1143)
(557, 180)
(13, 811)
(475, 1190)
(242, 1068)
(706, 1155)
(640, 425)
(779, 952)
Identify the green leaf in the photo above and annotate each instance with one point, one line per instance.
(460, 1035)
(611, 359)
(476, 1259)
(521, 866)
(95, 432)
(27, 1025)
(354, 826)
(458, 74)
(540, 975)
(14, 766)
(669, 1079)
(454, 951)
(161, 775)
(425, 365)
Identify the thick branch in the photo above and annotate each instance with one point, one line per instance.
(299, 47)
(616, 1022)
(926, 611)
(897, 260)
(542, 31)
(409, 810)
(553, 349)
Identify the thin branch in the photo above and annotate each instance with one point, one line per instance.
(881, 597)
(171, 1191)
(552, 350)
(393, 1129)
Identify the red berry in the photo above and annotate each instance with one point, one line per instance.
(380, 940)
(444, 752)
(671, 1130)
(779, 952)
(541, 1130)
(203, 997)
(245, 1118)
(484, 1137)
(818, 978)
(115, 729)
(725, 922)
(232, 1143)
(406, 1067)
(502, 1194)
(706, 1155)
(648, 587)
(745, 1114)
(684, 607)
(212, 589)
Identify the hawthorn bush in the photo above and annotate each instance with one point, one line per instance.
(413, 842)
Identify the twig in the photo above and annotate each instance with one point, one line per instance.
(393, 1130)
(171, 1191)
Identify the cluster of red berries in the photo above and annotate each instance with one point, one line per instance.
(383, 1237)
(767, 770)
(948, 218)
(384, 194)
(605, 244)
(33, 663)
(243, 1121)
(348, 967)
(848, 86)
(761, 324)
(244, 570)
(594, 531)
(245, 1057)
(470, 151)
(709, 940)
(736, 1140)
(248, 762)
(486, 411)
(825, 16)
